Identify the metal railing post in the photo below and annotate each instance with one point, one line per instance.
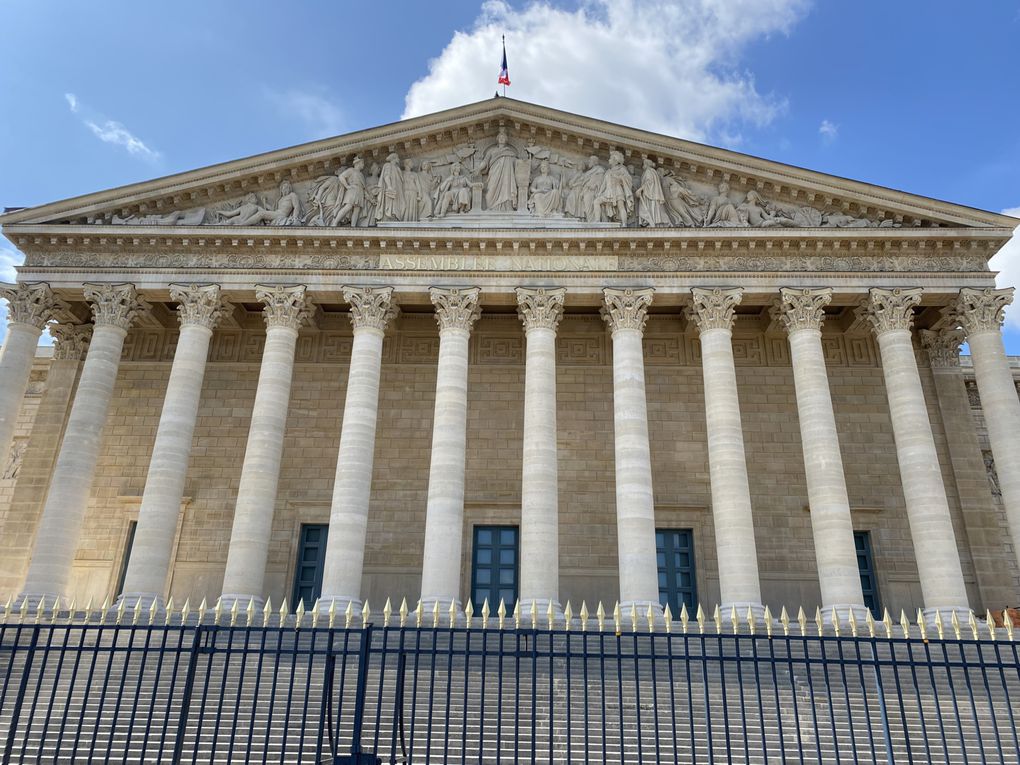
(357, 756)
(189, 685)
(22, 689)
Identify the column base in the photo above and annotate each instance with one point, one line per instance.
(243, 600)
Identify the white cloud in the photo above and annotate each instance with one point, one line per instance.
(315, 109)
(669, 66)
(110, 131)
(1007, 263)
(828, 130)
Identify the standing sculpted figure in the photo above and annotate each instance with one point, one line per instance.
(684, 204)
(428, 182)
(545, 192)
(371, 212)
(414, 192)
(651, 198)
(722, 213)
(324, 199)
(391, 190)
(584, 190)
(498, 164)
(453, 193)
(352, 194)
(617, 194)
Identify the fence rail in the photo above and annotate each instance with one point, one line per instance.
(216, 688)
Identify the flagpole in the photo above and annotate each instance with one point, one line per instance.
(504, 58)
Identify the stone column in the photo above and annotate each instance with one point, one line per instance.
(199, 309)
(30, 307)
(18, 528)
(114, 308)
(831, 524)
(456, 311)
(970, 476)
(890, 313)
(712, 310)
(541, 311)
(626, 312)
(371, 310)
(980, 312)
(286, 309)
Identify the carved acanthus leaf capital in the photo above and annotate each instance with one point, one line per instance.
(71, 340)
(714, 308)
(981, 310)
(803, 308)
(115, 305)
(456, 308)
(31, 304)
(371, 307)
(540, 308)
(200, 304)
(888, 310)
(284, 306)
(626, 308)
(943, 347)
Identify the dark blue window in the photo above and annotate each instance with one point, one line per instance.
(674, 552)
(494, 567)
(866, 565)
(311, 558)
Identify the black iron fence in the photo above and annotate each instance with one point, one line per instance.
(224, 690)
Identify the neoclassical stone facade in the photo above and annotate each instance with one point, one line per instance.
(523, 353)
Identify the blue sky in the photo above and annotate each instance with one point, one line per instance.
(919, 96)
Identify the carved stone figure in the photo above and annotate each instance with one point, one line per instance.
(651, 198)
(352, 194)
(189, 218)
(722, 213)
(17, 454)
(324, 199)
(584, 190)
(993, 475)
(684, 205)
(251, 213)
(616, 197)
(371, 215)
(391, 190)
(454, 193)
(414, 192)
(429, 183)
(545, 192)
(499, 166)
(762, 214)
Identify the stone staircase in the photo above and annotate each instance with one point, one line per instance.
(259, 697)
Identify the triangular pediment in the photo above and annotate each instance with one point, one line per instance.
(504, 164)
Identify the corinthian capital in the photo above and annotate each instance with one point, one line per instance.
(456, 307)
(888, 310)
(284, 306)
(714, 308)
(627, 308)
(371, 307)
(803, 308)
(31, 304)
(72, 340)
(540, 308)
(114, 305)
(943, 347)
(981, 310)
(200, 304)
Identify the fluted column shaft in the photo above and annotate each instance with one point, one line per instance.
(931, 527)
(739, 584)
(831, 524)
(626, 312)
(243, 578)
(30, 307)
(371, 311)
(199, 309)
(456, 312)
(981, 314)
(541, 311)
(49, 572)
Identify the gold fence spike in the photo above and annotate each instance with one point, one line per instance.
(533, 611)
(41, 608)
(750, 620)
(517, 614)
(784, 619)
(990, 624)
(387, 613)
(938, 622)
(887, 621)
(403, 612)
(802, 621)
(717, 616)
(419, 614)
(88, 610)
(435, 614)
(218, 610)
(633, 617)
(650, 615)
(568, 615)
(202, 608)
(234, 610)
(366, 613)
(974, 626)
(501, 613)
(685, 617)
(8, 606)
(185, 610)
(905, 623)
(617, 618)
(584, 616)
(452, 613)
(331, 613)
(819, 622)
(485, 614)
(121, 609)
(853, 622)
(869, 620)
(169, 611)
(315, 613)
(152, 611)
(349, 615)
(267, 612)
(550, 613)
(954, 621)
(284, 611)
(667, 618)
(701, 619)
(600, 616)
(835, 622)
(299, 614)
(23, 611)
(767, 617)
(734, 619)
(249, 612)
(1007, 622)
(922, 626)
(136, 615)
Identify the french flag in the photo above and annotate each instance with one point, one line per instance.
(504, 73)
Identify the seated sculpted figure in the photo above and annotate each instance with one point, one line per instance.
(722, 213)
(454, 193)
(684, 205)
(545, 192)
(762, 214)
(250, 213)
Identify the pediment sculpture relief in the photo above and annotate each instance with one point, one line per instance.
(502, 181)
